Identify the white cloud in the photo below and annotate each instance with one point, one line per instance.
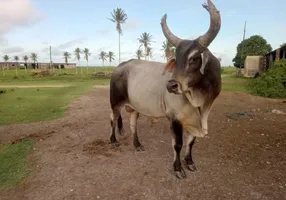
(12, 50)
(131, 24)
(103, 32)
(17, 13)
(71, 43)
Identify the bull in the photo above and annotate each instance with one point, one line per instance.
(182, 90)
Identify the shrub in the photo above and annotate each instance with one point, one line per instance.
(271, 83)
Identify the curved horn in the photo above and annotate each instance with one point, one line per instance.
(215, 23)
(174, 40)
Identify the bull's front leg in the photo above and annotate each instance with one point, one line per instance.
(189, 158)
(177, 142)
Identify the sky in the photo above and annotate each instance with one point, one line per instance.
(33, 25)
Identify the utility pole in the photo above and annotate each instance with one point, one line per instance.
(50, 57)
(242, 48)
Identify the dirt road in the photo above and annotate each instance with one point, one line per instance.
(243, 156)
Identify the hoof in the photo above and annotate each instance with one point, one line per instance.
(140, 148)
(180, 174)
(192, 167)
(115, 144)
(122, 132)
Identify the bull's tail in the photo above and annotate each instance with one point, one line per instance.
(120, 125)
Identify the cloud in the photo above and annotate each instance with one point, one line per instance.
(3, 41)
(17, 13)
(55, 51)
(12, 50)
(283, 29)
(103, 32)
(131, 24)
(71, 43)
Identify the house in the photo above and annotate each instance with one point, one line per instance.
(260, 64)
(252, 65)
(38, 65)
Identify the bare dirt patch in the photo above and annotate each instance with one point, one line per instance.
(242, 157)
(32, 86)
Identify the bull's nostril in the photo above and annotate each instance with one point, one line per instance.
(174, 86)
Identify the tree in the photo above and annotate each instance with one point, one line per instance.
(6, 59)
(139, 54)
(149, 52)
(67, 56)
(16, 58)
(102, 56)
(282, 45)
(145, 40)
(256, 45)
(118, 17)
(169, 50)
(110, 57)
(26, 58)
(86, 55)
(77, 53)
(34, 58)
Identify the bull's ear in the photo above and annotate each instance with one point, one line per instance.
(205, 59)
(170, 66)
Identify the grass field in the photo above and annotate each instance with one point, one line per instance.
(24, 105)
(14, 163)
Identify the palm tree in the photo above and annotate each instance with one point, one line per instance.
(77, 53)
(118, 17)
(149, 52)
(34, 58)
(102, 56)
(67, 56)
(6, 59)
(139, 54)
(145, 39)
(86, 55)
(16, 58)
(26, 58)
(169, 50)
(110, 57)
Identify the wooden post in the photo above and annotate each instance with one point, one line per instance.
(270, 60)
(277, 54)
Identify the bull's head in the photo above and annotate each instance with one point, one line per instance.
(191, 57)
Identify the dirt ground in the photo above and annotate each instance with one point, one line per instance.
(242, 157)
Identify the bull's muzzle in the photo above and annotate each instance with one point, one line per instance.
(173, 87)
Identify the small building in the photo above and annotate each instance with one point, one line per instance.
(276, 54)
(37, 65)
(252, 65)
(260, 64)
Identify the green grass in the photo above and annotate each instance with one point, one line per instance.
(25, 105)
(14, 163)
(81, 72)
(231, 82)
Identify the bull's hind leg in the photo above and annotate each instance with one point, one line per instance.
(115, 120)
(189, 158)
(177, 141)
(133, 126)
